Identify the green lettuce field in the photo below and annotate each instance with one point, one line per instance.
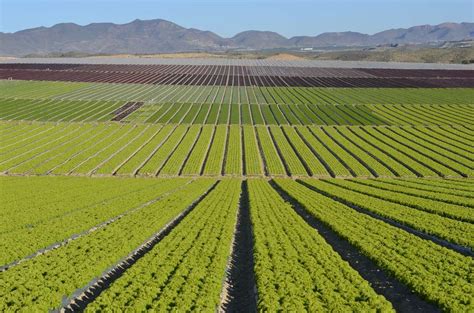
(224, 197)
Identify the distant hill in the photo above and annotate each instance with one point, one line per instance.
(254, 39)
(160, 36)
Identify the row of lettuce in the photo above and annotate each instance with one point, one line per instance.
(59, 110)
(295, 268)
(232, 95)
(174, 150)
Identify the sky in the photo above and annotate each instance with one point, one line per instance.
(227, 18)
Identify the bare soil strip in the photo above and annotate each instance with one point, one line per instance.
(240, 291)
(125, 110)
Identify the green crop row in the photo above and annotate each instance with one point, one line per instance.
(72, 215)
(228, 94)
(439, 187)
(416, 201)
(57, 110)
(196, 158)
(292, 262)
(463, 199)
(41, 283)
(90, 225)
(171, 150)
(440, 275)
(37, 89)
(455, 231)
(224, 113)
(186, 269)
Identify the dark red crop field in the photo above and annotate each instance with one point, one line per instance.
(209, 75)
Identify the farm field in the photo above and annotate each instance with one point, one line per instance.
(193, 150)
(218, 94)
(235, 188)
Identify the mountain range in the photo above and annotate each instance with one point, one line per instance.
(161, 36)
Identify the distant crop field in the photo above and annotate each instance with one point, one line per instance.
(235, 188)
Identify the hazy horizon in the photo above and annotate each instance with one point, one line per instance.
(227, 18)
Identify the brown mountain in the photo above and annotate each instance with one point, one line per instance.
(159, 36)
(258, 40)
(134, 37)
(331, 39)
(426, 33)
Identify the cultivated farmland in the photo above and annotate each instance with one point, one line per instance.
(235, 186)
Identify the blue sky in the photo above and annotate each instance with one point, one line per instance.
(226, 18)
